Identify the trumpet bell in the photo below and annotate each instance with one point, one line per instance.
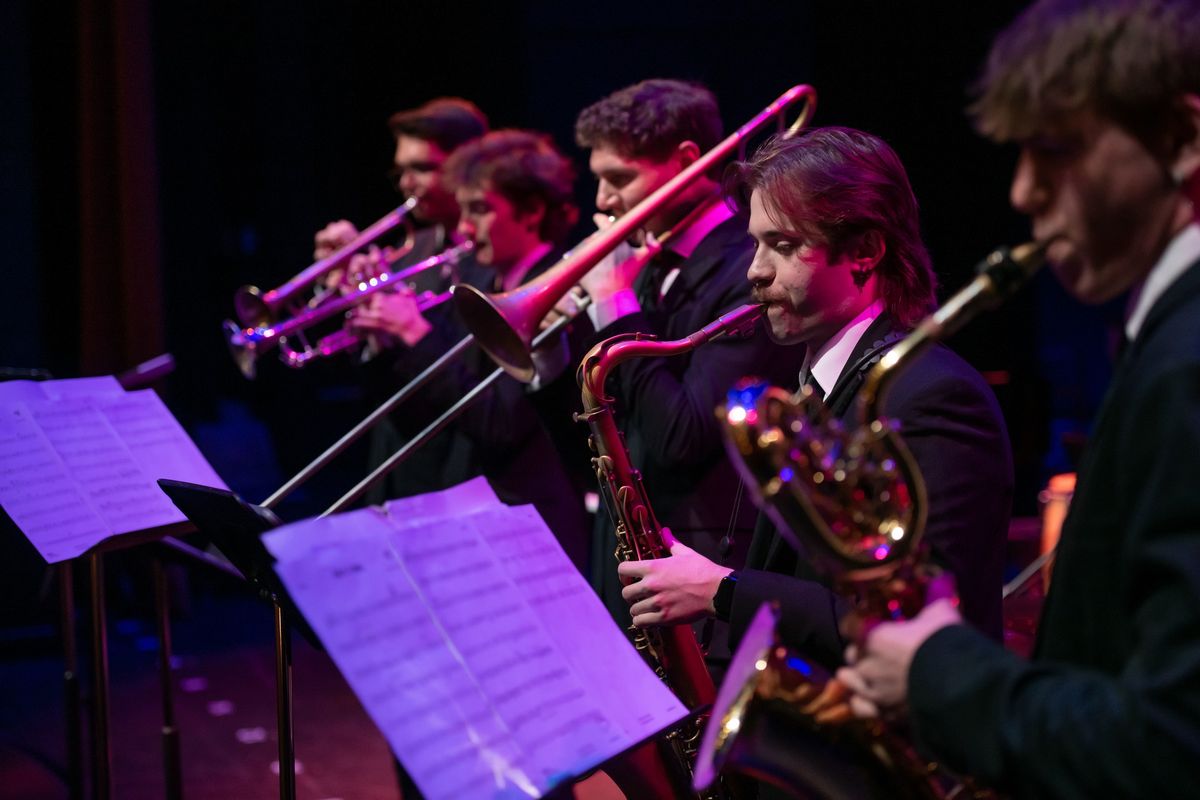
(252, 308)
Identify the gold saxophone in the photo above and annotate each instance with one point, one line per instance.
(854, 502)
(673, 651)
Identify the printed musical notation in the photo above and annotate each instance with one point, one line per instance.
(449, 627)
(79, 460)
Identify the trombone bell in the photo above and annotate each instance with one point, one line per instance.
(502, 327)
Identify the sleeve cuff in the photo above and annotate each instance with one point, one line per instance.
(607, 311)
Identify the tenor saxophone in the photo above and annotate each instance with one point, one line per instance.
(673, 651)
(853, 500)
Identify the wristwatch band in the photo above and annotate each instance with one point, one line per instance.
(723, 599)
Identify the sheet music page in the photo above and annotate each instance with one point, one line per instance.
(156, 439)
(357, 596)
(461, 500)
(453, 633)
(38, 493)
(103, 386)
(592, 641)
(102, 466)
(12, 392)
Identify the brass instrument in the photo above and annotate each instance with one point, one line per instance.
(256, 308)
(673, 651)
(247, 344)
(504, 324)
(854, 502)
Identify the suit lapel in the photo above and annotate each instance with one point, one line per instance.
(875, 341)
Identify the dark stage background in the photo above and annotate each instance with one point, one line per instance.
(158, 155)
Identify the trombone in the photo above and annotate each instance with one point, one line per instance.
(506, 325)
(247, 344)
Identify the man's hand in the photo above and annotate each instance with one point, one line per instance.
(617, 271)
(332, 238)
(673, 590)
(392, 314)
(877, 674)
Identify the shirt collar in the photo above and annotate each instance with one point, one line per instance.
(516, 276)
(686, 241)
(1180, 254)
(827, 363)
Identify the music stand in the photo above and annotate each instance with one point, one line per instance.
(235, 526)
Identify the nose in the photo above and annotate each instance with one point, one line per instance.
(408, 181)
(1028, 193)
(605, 197)
(466, 228)
(760, 274)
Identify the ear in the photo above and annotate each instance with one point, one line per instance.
(531, 218)
(867, 251)
(686, 152)
(1185, 166)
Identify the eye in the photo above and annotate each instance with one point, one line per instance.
(784, 247)
(618, 180)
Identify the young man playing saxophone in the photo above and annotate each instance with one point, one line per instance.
(1103, 99)
(841, 267)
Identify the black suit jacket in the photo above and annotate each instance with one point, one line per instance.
(1110, 704)
(667, 406)
(951, 422)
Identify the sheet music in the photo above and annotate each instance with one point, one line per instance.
(81, 458)
(102, 466)
(39, 495)
(461, 500)
(156, 439)
(449, 633)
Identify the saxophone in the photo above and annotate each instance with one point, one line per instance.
(673, 651)
(854, 502)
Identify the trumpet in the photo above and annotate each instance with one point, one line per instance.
(504, 324)
(256, 308)
(248, 344)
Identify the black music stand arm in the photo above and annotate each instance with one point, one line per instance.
(283, 705)
(102, 780)
(172, 761)
(72, 702)
(101, 747)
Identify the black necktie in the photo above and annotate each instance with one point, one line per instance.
(650, 296)
(816, 387)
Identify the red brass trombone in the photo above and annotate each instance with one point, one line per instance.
(505, 324)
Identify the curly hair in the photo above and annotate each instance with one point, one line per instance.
(650, 119)
(526, 169)
(831, 186)
(1129, 61)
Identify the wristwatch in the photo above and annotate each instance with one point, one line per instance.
(723, 599)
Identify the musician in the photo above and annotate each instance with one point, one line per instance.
(639, 138)
(841, 266)
(425, 137)
(1103, 100)
(514, 191)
